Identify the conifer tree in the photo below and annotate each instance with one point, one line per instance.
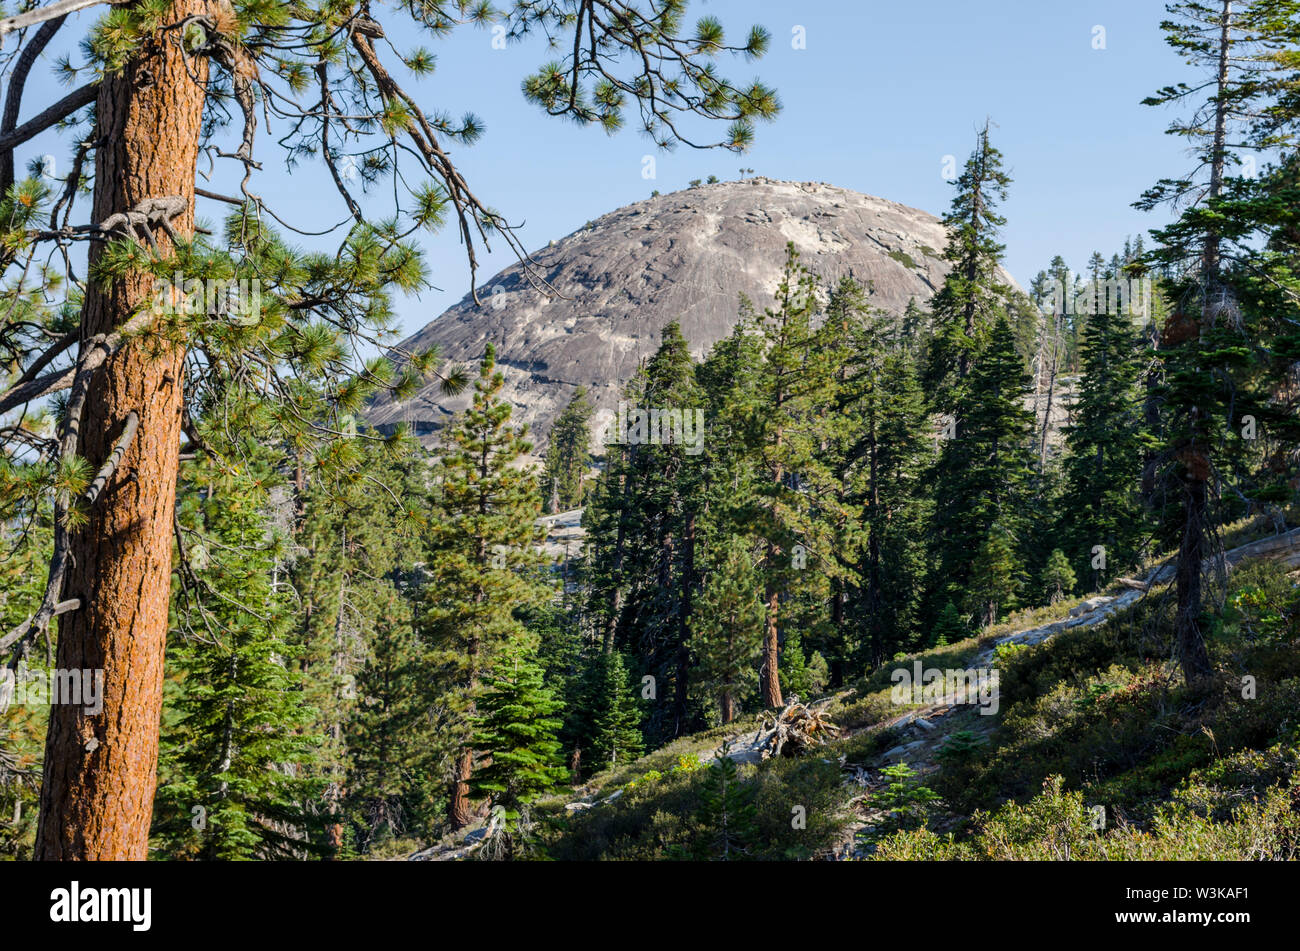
(394, 746)
(914, 329)
(156, 85)
(995, 578)
(667, 510)
(793, 392)
(802, 675)
(615, 716)
(1100, 501)
(881, 451)
(235, 786)
(608, 520)
(983, 479)
(516, 725)
(643, 525)
(727, 811)
(356, 535)
(1058, 577)
(568, 455)
(728, 628)
(728, 379)
(1240, 106)
(949, 628)
(563, 655)
(972, 297)
(482, 566)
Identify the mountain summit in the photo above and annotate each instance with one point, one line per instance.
(688, 256)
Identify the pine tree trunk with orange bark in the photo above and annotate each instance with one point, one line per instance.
(769, 672)
(101, 770)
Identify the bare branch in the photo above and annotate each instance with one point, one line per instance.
(204, 193)
(52, 12)
(114, 459)
(18, 633)
(46, 358)
(94, 352)
(55, 113)
(14, 98)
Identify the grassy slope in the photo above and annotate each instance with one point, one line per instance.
(1093, 717)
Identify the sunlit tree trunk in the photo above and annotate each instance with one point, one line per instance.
(100, 770)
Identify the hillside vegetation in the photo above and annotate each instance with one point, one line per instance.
(1098, 751)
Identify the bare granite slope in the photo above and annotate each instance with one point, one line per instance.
(688, 256)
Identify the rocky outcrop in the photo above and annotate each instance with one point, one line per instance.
(688, 256)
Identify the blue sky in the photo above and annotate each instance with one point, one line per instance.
(881, 94)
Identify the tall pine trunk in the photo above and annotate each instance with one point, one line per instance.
(681, 696)
(100, 771)
(459, 811)
(1194, 458)
(1051, 390)
(1192, 654)
(769, 673)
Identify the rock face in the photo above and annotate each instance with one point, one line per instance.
(687, 256)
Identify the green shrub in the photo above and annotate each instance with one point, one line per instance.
(961, 748)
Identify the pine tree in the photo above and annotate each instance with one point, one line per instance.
(616, 716)
(662, 543)
(568, 455)
(1058, 577)
(1234, 44)
(1100, 501)
(880, 452)
(482, 567)
(728, 629)
(516, 726)
(788, 424)
(971, 299)
(563, 649)
(642, 527)
(949, 628)
(802, 675)
(235, 785)
(994, 579)
(355, 537)
(728, 378)
(983, 479)
(155, 91)
(394, 746)
(914, 328)
(727, 812)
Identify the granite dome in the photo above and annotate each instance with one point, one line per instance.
(688, 256)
